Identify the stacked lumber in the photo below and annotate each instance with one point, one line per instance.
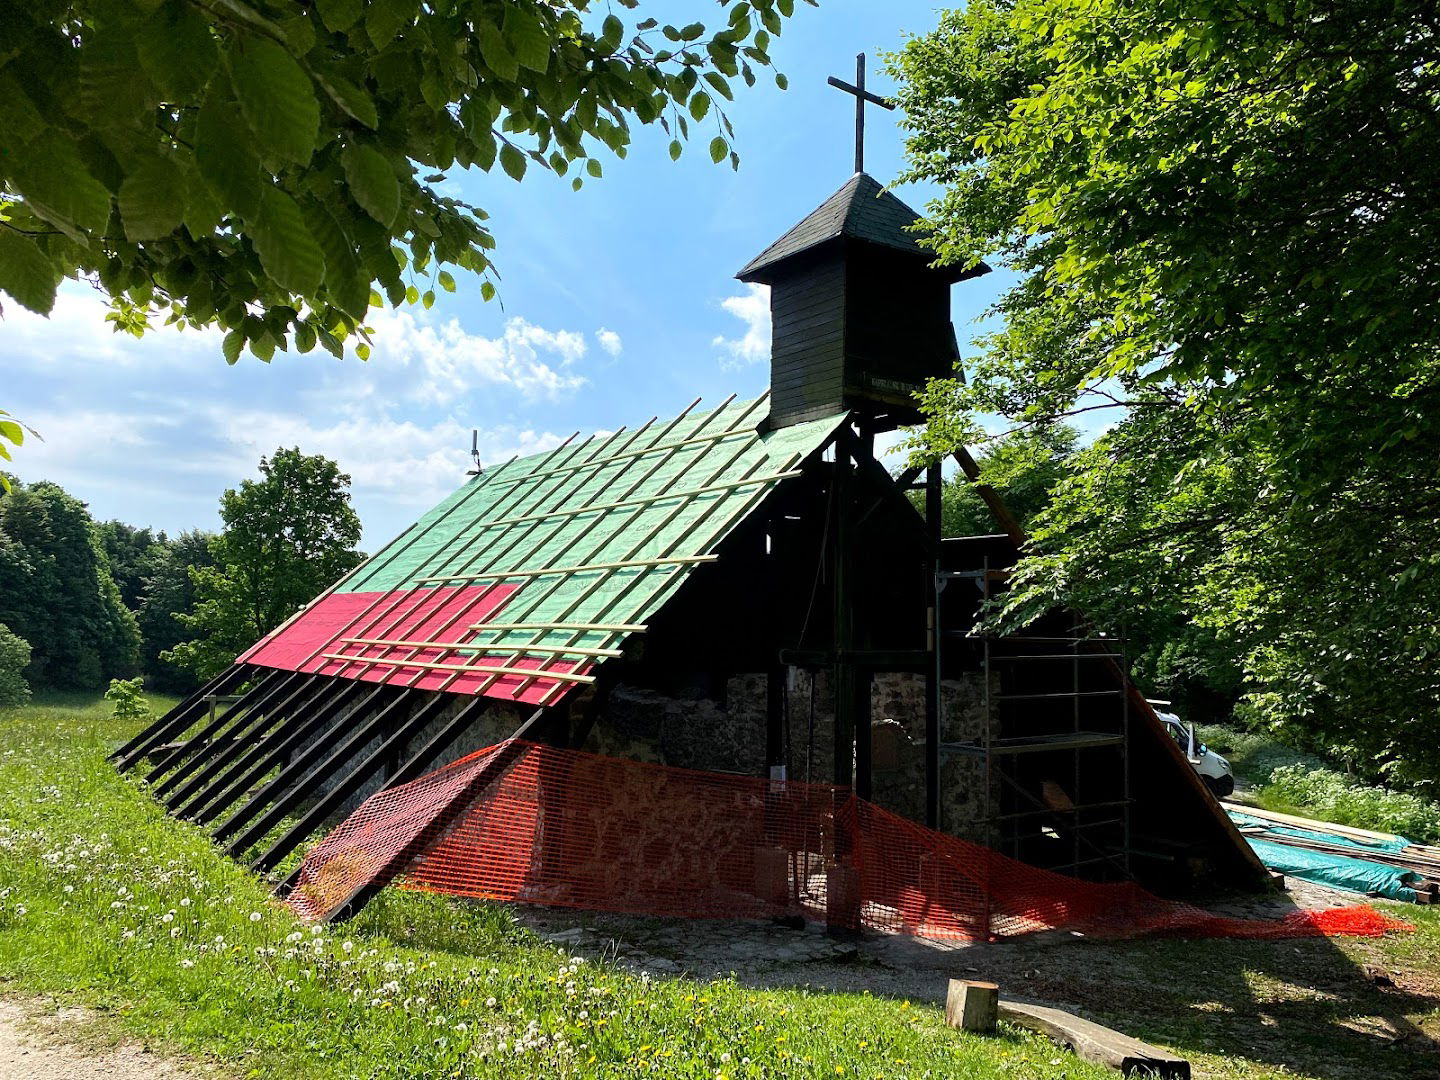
(1422, 860)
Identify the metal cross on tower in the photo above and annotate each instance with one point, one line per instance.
(861, 97)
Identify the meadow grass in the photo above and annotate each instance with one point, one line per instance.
(108, 903)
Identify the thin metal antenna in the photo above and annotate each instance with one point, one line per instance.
(475, 452)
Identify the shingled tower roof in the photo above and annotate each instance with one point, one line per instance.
(860, 210)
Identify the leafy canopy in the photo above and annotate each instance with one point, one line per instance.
(14, 659)
(259, 164)
(1223, 221)
(57, 593)
(286, 537)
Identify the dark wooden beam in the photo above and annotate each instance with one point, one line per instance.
(345, 784)
(934, 687)
(178, 719)
(266, 691)
(211, 758)
(294, 774)
(274, 750)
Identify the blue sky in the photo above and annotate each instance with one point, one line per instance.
(619, 303)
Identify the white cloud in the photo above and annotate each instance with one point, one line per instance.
(401, 462)
(753, 309)
(76, 332)
(451, 361)
(609, 341)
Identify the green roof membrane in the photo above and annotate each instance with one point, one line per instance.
(600, 531)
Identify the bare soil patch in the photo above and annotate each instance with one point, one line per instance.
(62, 1045)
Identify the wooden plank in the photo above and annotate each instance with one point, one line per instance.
(972, 1006)
(1095, 1042)
(270, 752)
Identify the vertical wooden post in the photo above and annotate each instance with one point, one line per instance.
(934, 686)
(843, 635)
(972, 1006)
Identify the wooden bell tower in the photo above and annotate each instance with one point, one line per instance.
(860, 318)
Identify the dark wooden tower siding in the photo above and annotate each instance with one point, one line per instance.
(860, 319)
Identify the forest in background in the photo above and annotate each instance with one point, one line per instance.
(84, 602)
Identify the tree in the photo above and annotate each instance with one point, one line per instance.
(1223, 224)
(14, 659)
(1023, 468)
(258, 165)
(56, 591)
(286, 537)
(132, 553)
(167, 592)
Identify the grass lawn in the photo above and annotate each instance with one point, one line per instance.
(106, 902)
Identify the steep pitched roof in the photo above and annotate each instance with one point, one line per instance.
(547, 563)
(860, 210)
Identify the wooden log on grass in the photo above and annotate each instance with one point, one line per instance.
(1095, 1042)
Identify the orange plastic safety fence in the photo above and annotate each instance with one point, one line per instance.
(534, 824)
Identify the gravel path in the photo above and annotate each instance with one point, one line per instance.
(44, 1047)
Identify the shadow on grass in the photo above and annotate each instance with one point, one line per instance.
(1308, 1006)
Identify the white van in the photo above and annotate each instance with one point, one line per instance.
(1213, 768)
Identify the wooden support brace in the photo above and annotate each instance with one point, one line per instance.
(972, 1006)
(270, 752)
(178, 719)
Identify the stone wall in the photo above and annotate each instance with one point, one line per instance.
(698, 732)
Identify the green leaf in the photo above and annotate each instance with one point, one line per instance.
(352, 101)
(611, 31)
(152, 200)
(512, 161)
(12, 431)
(526, 36)
(362, 351)
(496, 53)
(112, 86)
(57, 185)
(592, 166)
(304, 337)
(276, 97)
(487, 291)
(384, 18)
(719, 85)
(26, 274)
(372, 182)
(446, 280)
(718, 149)
(203, 212)
(346, 282)
(177, 49)
(287, 251)
(699, 104)
(427, 299)
(339, 15)
(412, 294)
(675, 149)
(223, 156)
(234, 342)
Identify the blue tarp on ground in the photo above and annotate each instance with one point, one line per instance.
(1323, 868)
